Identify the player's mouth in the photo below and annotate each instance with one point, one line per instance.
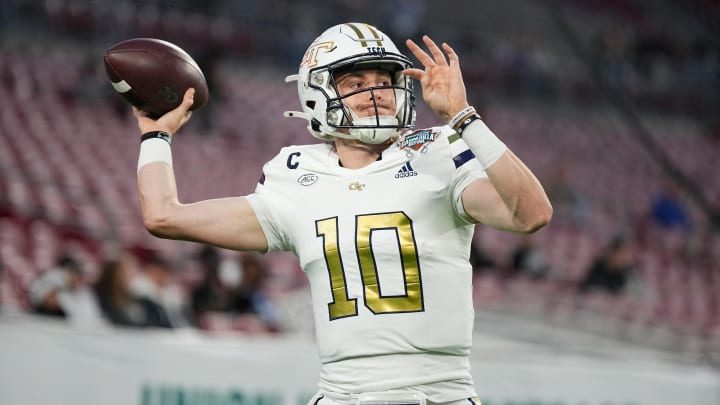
(370, 111)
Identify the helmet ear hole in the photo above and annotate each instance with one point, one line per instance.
(310, 104)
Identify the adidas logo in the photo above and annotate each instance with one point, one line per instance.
(405, 171)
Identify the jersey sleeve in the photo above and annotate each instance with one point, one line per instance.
(269, 206)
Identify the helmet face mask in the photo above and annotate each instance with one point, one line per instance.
(352, 47)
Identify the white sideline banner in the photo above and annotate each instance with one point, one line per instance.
(55, 364)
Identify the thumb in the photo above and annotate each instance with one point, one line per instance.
(174, 119)
(186, 103)
(188, 98)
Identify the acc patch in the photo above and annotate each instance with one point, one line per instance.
(418, 140)
(307, 179)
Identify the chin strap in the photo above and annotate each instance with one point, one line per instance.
(374, 135)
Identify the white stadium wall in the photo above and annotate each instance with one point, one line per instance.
(49, 363)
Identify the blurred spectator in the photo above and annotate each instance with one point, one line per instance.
(527, 259)
(569, 204)
(651, 48)
(479, 259)
(120, 306)
(700, 71)
(667, 209)
(232, 287)
(156, 282)
(612, 270)
(252, 298)
(214, 293)
(209, 58)
(611, 52)
(404, 17)
(61, 292)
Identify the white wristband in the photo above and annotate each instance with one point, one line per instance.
(459, 116)
(154, 150)
(483, 143)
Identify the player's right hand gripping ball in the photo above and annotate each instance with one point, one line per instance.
(153, 75)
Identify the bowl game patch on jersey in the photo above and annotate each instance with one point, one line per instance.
(418, 140)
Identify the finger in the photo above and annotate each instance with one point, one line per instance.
(186, 118)
(437, 54)
(414, 73)
(188, 99)
(423, 57)
(185, 105)
(137, 113)
(454, 58)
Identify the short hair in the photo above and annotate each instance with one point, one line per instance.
(68, 263)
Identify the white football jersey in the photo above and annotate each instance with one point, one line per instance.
(386, 249)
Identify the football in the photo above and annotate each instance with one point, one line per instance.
(153, 75)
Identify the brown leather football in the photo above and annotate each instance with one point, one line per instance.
(153, 75)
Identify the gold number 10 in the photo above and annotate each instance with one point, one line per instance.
(343, 306)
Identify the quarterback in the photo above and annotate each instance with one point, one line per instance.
(380, 214)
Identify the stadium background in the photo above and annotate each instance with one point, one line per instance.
(611, 99)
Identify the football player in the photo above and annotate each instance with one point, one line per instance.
(380, 215)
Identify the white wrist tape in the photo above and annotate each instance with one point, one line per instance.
(154, 150)
(483, 143)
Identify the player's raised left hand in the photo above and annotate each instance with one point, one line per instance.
(442, 82)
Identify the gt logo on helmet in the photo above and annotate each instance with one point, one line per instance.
(311, 55)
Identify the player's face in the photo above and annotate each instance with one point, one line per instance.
(362, 103)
